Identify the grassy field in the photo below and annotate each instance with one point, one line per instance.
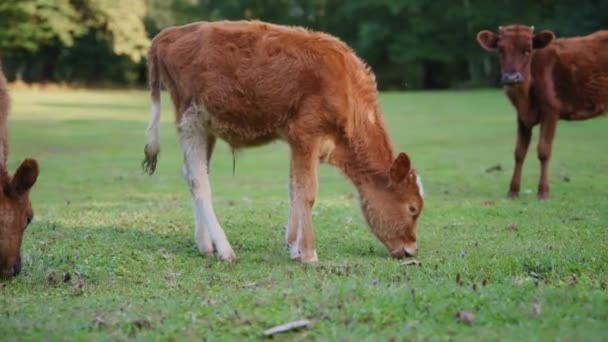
(111, 255)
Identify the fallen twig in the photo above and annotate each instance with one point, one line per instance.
(411, 262)
(303, 323)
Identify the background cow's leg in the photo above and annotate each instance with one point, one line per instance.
(545, 145)
(524, 135)
(194, 142)
(303, 188)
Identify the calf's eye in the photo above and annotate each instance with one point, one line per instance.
(413, 210)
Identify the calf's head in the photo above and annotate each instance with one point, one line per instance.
(392, 210)
(515, 45)
(15, 214)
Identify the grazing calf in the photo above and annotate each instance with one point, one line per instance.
(250, 83)
(15, 207)
(548, 79)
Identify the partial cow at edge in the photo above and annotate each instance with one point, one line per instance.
(15, 206)
(249, 83)
(548, 79)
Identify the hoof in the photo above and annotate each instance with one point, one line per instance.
(513, 194)
(294, 252)
(542, 196)
(231, 258)
(226, 254)
(208, 254)
(309, 258)
(205, 248)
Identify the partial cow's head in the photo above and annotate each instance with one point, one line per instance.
(392, 210)
(15, 214)
(515, 45)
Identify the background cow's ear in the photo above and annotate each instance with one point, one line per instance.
(488, 40)
(542, 39)
(400, 168)
(25, 177)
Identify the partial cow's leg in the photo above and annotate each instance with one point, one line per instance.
(545, 145)
(195, 143)
(303, 191)
(210, 145)
(524, 135)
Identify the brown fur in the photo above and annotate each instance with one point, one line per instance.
(564, 78)
(15, 207)
(261, 82)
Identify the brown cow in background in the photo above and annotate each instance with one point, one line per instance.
(548, 79)
(250, 83)
(15, 207)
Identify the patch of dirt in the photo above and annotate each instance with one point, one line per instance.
(494, 168)
(465, 317)
(142, 324)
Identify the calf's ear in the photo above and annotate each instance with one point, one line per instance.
(487, 40)
(542, 39)
(25, 177)
(400, 168)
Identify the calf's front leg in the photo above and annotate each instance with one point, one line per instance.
(303, 187)
(545, 147)
(195, 141)
(524, 135)
(291, 233)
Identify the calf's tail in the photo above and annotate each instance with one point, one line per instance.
(4, 108)
(152, 132)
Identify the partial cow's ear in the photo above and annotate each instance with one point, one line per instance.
(400, 168)
(488, 40)
(542, 39)
(25, 177)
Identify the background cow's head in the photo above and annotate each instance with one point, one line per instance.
(15, 214)
(392, 210)
(515, 45)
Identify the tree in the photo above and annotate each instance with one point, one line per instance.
(27, 25)
(38, 36)
(119, 23)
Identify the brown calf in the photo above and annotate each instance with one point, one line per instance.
(250, 83)
(548, 79)
(15, 207)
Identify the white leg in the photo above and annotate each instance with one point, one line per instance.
(201, 233)
(193, 139)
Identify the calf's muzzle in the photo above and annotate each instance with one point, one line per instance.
(509, 78)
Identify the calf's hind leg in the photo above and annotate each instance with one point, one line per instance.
(197, 146)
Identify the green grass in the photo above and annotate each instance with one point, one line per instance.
(126, 239)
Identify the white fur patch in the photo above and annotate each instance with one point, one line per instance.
(371, 116)
(326, 148)
(420, 188)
